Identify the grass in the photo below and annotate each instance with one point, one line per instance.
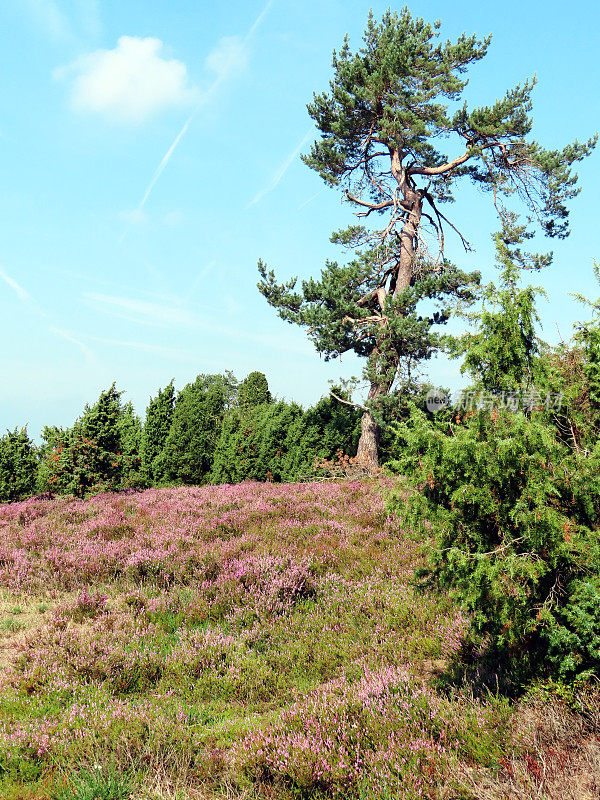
(95, 784)
(245, 642)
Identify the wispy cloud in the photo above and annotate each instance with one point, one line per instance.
(49, 16)
(72, 338)
(32, 303)
(142, 311)
(21, 293)
(254, 27)
(282, 169)
(165, 160)
(171, 353)
(196, 283)
(228, 58)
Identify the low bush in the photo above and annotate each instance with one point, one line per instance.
(515, 514)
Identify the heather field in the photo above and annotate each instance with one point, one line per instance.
(245, 641)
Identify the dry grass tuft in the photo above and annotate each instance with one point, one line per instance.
(555, 756)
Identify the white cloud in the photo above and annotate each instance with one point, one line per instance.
(67, 22)
(130, 83)
(228, 57)
(143, 312)
(170, 353)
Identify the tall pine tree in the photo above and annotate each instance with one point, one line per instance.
(383, 125)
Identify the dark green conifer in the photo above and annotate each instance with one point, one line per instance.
(502, 354)
(253, 391)
(18, 465)
(197, 419)
(159, 415)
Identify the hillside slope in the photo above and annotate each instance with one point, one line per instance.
(252, 640)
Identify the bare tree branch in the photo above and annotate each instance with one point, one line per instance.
(443, 168)
(348, 402)
(370, 206)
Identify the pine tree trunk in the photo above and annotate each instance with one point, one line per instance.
(367, 454)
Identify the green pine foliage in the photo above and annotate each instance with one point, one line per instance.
(571, 371)
(279, 441)
(214, 429)
(18, 465)
(100, 452)
(515, 515)
(87, 456)
(328, 427)
(259, 444)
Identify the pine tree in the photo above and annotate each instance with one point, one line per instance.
(382, 125)
(258, 443)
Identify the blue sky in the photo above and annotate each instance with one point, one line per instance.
(150, 156)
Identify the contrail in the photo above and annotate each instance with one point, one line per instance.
(283, 168)
(22, 293)
(310, 199)
(25, 297)
(166, 159)
(68, 336)
(257, 21)
(208, 94)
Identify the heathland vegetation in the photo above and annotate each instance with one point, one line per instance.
(238, 597)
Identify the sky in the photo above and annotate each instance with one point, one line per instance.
(150, 155)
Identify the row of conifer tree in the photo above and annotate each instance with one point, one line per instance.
(215, 429)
